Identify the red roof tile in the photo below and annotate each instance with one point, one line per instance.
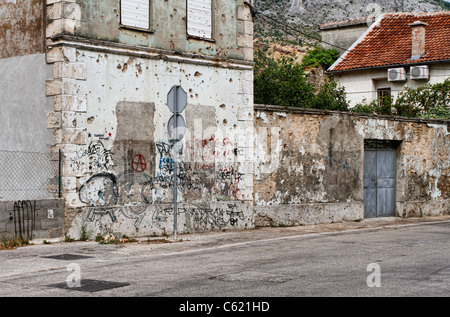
(389, 42)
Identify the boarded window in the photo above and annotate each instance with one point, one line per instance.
(135, 13)
(199, 18)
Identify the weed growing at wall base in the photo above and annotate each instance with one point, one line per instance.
(11, 244)
(84, 236)
(112, 239)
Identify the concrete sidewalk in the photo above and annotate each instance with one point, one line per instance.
(236, 236)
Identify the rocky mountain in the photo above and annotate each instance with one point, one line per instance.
(309, 14)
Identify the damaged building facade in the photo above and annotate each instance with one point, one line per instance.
(91, 79)
(105, 69)
(114, 65)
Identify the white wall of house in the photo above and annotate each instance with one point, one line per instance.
(363, 84)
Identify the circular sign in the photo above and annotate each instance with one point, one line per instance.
(176, 127)
(139, 164)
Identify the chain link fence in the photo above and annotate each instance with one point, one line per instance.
(28, 176)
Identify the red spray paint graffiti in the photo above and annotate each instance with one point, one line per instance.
(139, 164)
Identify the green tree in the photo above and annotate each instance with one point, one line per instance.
(280, 82)
(283, 82)
(320, 56)
(330, 96)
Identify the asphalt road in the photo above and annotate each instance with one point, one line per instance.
(398, 260)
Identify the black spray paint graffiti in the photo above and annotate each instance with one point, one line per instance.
(136, 213)
(100, 159)
(131, 192)
(199, 218)
(214, 179)
(24, 219)
(107, 189)
(196, 218)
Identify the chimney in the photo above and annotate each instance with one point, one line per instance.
(418, 39)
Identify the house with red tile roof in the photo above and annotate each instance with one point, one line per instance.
(399, 50)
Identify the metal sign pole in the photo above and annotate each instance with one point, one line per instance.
(177, 102)
(175, 189)
(175, 197)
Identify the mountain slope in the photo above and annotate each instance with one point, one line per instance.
(309, 14)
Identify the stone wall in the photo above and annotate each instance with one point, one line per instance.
(310, 165)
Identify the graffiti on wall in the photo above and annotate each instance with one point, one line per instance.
(199, 218)
(93, 160)
(206, 171)
(107, 189)
(24, 219)
(139, 164)
(131, 192)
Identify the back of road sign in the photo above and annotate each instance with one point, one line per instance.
(176, 99)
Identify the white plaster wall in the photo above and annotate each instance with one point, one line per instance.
(108, 83)
(363, 84)
(112, 79)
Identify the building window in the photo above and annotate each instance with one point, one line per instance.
(199, 19)
(384, 96)
(135, 14)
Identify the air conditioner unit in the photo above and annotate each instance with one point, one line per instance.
(396, 74)
(420, 72)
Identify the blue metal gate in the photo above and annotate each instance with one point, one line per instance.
(379, 183)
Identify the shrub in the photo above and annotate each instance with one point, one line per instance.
(430, 101)
(10, 244)
(331, 96)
